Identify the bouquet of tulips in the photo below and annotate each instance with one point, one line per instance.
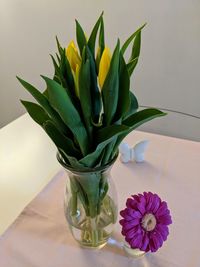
(87, 107)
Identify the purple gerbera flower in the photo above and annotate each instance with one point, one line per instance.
(145, 221)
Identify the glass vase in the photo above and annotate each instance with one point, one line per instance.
(90, 204)
(132, 252)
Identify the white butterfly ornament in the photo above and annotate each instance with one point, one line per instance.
(136, 153)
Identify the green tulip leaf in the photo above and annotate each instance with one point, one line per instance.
(92, 38)
(142, 116)
(135, 54)
(36, 112)
(130, 39)
(80, 194)
(56, 67)
(105, 136)
(101, 45)
(109, 132)
(89, 183)
(136, 120)
(133, 105)
(73, 162)
(66, 73)
(43, 101)
(80, 37)
(63, 75)
(110, 90)
(58, 57)
(124, 85)
(136, 47)
(85, 95)
(60, 49)
(61, 102)
(131, 65)
(45, 93)
(94, 90)
(60, 140)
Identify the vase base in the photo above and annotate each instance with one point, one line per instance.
(91, 239)
(133, 253)
(92, 247)
(90, 235)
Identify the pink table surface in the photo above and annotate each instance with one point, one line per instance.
(40, 236)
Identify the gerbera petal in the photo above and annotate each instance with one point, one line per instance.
(148, 248)
(146, 195)
(165, 219)
(145, 242)
(129, 225)
(134, 231)
(125, 215)
(163, 230)
(123, 232)
(162, 209)
(150, 202)
(142, 199)
(122, 221)
(156, 242)
(159, 237)
(131, 203)
(136, 198)
(155, 203)
(152, 246)
(141, 208)
(134, 213)
(131, 234)
(136, 242)
(128, 239)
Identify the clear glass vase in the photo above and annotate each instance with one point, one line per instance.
(90, 204)
(132, 252)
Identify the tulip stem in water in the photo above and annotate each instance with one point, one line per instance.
(94, 232)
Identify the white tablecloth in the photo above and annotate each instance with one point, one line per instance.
(39, 237)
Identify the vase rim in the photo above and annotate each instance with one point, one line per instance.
(87, 170)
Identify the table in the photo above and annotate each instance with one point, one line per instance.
(39, 236)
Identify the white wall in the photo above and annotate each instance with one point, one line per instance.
(168, 72)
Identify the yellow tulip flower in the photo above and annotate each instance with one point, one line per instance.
(75, 62)
(104, 66)
(73, 56)
(76, 79)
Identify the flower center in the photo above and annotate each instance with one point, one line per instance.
(149, 222)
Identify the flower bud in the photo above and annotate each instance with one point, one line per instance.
(104, 66)
(73, 56)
